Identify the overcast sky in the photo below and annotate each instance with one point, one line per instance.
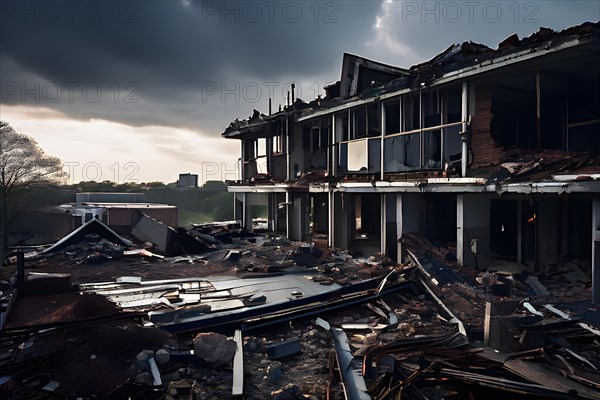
(141, 90)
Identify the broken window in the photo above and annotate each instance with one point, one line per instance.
(452, 98)
(583, 129)
(431, 109)
(325, 132)
(318, 155)
(341, 126)
(452, 113)
(315, 137)
(359, 122)
(374, 119)
(374, 155)
(411, 112)
(343, 157)
(402, 153)
(432, 149)
(279, 141)
(514, 110)
(392, 117)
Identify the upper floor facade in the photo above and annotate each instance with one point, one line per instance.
(470, 112)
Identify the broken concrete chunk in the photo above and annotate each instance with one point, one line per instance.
(145, 378)
(537, 286)
(216, 349)
(162, 356)
(51, 386)
(141, 360)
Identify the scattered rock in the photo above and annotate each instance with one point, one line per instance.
(289, 392)
(141, 360)
(144, 378)
(162, 357)
(214, 348)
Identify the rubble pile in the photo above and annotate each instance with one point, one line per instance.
(262, 317)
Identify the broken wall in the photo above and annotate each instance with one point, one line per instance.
(121, 219)
(485, 150)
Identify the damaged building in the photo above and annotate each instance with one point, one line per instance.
(473, 179)
(490, 153)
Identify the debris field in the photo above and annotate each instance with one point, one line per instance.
(216, 312)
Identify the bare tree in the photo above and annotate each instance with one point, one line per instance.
(23, 164)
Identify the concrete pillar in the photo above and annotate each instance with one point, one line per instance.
(246, 212)
(331, 221)
(519, 231)
(399, 225)
(299, 214)
(288, 222)
(382, 147)
(460, 229)
(383, 241)
(595, 251)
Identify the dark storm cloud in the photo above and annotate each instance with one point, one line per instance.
(418, 30)
(195, 64)
(162, 54)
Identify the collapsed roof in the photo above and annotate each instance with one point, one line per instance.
(370, 79)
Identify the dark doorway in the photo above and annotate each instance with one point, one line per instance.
(367, 223)
(319, 213)
(503, 228)
(440, 218)
(528, 239)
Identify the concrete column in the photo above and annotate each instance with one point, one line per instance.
(246, 212)
(288, 222)
(460, 229)
(298, 215)
(272, 212)
(382, 149)
(287, 150)
(519, 231)
(399, 225)
(383, 241)
(331, 222)
(595, 251)
(332, 149)
(538, 107)
(235, 212)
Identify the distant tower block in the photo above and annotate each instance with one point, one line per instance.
(187, 180)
